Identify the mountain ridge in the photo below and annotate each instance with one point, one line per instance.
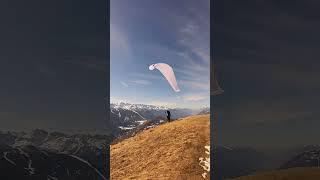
(52, 150)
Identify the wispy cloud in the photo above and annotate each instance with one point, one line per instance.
(190, 29)
(195, 37)
(141, 82)
(195, 72)
(195, 97)
(165, 103)
(119, 42)
(150, 76)
(114, 99)
(196, 85)
(124, 84)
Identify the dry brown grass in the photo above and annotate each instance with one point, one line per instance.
(169, 151)
(286, 174)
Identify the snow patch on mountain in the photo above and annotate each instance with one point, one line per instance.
(5, 156)
(86, 162)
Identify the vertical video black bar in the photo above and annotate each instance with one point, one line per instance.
(107, 99)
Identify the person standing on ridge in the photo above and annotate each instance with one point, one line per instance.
(168, 116)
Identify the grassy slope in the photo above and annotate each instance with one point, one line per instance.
(286, 174)
(169, 151)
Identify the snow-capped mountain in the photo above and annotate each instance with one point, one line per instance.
(61, 142)
(126, 117)
(29, 163)
(205, 110)
(308, 156)
(90, 149)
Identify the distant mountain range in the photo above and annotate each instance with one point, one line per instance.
(307, 156)
(31, 163)
(44, 155)
(231, 162)
(54, 155)
(301, 163)
(126, 117)
(205, 110)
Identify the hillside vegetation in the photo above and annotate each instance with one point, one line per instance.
(168, 151)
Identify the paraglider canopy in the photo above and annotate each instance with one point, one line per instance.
(168, 73)
(151, 67)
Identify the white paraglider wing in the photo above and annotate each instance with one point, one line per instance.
(168, 73)
(151, 67)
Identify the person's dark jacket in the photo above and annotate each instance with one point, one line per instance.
(168, 116)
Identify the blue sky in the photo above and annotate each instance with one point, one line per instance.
(174, 32)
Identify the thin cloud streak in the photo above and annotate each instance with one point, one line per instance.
(195, 97)
(196, 85)
(119, 42)
(141, 82)
(124, 84)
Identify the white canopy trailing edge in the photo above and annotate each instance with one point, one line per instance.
(168, 73)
